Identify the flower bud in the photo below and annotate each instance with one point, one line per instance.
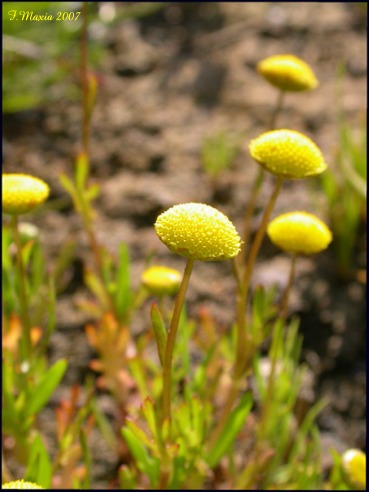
(20, 485)
(354, 468)
(288, 154)
(288, 73)
(22, 193)
(199, 232)
(299, 232)
(161, 280)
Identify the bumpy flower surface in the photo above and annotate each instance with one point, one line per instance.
(354, 467)
(288, 154)
(22, 193)
(199, 232)
(20, 485)
(288, 73)
(299, 232)
(161, 280)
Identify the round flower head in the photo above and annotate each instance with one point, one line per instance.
(299, 232)
(199, 232)
(22, 193)
(161, 280)
(288, 73)
(288, 154)
(20, 485)
(354, 468)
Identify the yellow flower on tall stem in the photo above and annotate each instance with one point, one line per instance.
(21, 194)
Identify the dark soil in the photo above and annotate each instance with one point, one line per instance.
(166, 82)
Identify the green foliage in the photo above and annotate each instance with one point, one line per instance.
(230, 431)
(344, 187)
(34, 71)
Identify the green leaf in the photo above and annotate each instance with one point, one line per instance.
(160, 331)
(148, 411)
(92, 192)
(96, 287)
(103, 424)
(139, 375)
(145, 463)
(127, 478)
(39, 468)
(230, 431)
(45, 388)
(86, 457)
(9, 410)
(140, 434)
(68, 185)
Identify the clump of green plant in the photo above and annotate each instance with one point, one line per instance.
(208, 410)
(344, 187)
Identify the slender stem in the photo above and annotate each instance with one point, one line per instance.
(260, 235)
(250, 212)
(286, 294)
(258, 181)
(168, 356)
(280, 101)
(85, 132)
(244, 344)
(23, 302)
(84, 80)
(243, 299)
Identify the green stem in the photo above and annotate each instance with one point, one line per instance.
(84, 77)
(244, 344)
(250, 211)
(168, 356)
(286, 294)
(23, 303)
(280, 101)
(86, 211)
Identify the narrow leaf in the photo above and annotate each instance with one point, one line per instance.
(230, 431)
(39, 468)
(140, 434)
(145, 463)
(160, 331)
(46, 387)
(68, 185)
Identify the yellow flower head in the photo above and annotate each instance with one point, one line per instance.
(354, 468)
(161, 280)
(288, 73)
(20, 485)
(199, 232)
(22, 193)
(288, 154)
(299, 232)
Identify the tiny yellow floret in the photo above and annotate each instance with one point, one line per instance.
(199, 232)
(354, 468)
(22, 193)
(20, 485)
(288, 73)
(161, 280)
(299, 232)
(288, 154)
